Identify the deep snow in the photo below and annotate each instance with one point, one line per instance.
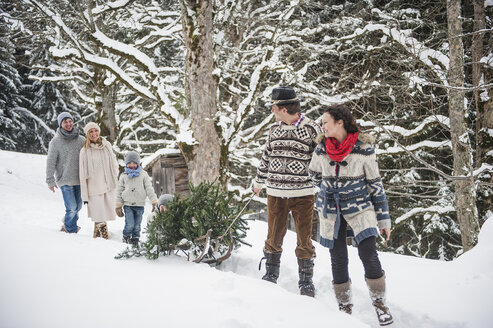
(53, 279)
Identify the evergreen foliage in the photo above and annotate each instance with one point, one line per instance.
(387, 60)
(208, 207)
(11, 99)
(28, 107)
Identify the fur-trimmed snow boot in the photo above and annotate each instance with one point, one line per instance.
(134, 241)
(305, 271)
(96, 233)
(127, 239)
(343, 296)
(103, 230)
(272, 265)
(377, 294)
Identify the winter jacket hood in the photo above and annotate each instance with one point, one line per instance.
(363, 137)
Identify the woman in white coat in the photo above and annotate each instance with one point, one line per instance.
(98, 171)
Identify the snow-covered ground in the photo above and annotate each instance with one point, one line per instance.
(53, 279)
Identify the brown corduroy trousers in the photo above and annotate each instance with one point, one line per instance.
(277, 218)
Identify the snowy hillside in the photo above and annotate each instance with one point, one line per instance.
(52, 279)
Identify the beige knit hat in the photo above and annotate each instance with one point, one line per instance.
(91, 125)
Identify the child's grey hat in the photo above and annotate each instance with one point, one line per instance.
(164, 199)
(132, 156)
(62, 116)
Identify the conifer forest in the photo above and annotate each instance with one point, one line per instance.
(194, 75)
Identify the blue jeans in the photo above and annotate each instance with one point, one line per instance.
(133, 219)
(73, 204)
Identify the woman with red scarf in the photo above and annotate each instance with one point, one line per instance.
(351, 199)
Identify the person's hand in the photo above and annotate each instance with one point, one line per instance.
(256, 191)
(53, 188)
(387, 232)
(119, 211)
(154, 206)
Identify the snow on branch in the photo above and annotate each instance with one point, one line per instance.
(82, 96)
(140, 58)
(172, 31)
(35, 118)
(484, 168)
(59, 22)
(426, 55)
(107, 64)
(269, 62)
(425, 210)
(430, 120)
(143, 61)
(55, 78)
(414, 147)
(110, 6)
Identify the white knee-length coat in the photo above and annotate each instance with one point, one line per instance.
(98, 171)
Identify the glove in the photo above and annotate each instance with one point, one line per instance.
(119, 210)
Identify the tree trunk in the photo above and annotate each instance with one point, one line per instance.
(106, 104)
(477, 54)
(107, 115)
(465, 199)
(203, 158)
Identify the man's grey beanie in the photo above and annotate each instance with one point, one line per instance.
(63, 116)
(132, 156)
(164, 199)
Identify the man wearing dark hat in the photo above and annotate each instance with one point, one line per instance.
(62, 168)
(283, 170)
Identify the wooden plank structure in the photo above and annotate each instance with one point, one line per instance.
(169, 173)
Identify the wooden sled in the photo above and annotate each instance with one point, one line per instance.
(211, 253)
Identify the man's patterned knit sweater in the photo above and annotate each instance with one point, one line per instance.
(284, 164)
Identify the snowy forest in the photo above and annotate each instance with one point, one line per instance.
(194, 75)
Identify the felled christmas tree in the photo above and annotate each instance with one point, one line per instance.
(205, 225)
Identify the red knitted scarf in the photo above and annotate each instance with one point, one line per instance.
(337, 151)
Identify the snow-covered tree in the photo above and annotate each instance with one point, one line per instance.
(119, 59)
(11, 102)
(131, 64)
(34, 106)
(388, 61)
(200, 91)
(465, 193)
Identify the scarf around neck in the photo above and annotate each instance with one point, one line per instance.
(110, 166)
(337, 151)
(133, 173)
(69, 135)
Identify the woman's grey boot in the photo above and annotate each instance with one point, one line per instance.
(343, 296)
(377, 294)
(272, 265)
(305, 270)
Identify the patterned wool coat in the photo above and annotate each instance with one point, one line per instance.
(351, 189)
